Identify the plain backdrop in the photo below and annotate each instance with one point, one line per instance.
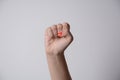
(93, 55)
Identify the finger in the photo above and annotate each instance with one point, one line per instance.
(49, 32)
(48, 35)
(66, 29)
(66, 32)
(54, 30)
(59, 27)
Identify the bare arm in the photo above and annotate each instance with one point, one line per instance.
(55, 45)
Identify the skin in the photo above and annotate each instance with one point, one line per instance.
(55, 46)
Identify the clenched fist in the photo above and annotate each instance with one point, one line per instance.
(57, 38)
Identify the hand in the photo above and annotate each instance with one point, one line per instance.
(57, 38)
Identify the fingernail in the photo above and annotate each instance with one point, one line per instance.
(59, 34)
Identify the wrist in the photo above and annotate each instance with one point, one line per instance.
(54, 53)
(55, 58)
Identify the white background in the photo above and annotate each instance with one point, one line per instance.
(95, 24)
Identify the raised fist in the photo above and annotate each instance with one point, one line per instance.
(57, 38)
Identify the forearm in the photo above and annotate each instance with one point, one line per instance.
(58, 67)
(57, 39)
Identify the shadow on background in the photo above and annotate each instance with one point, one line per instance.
(1, 1)
(118, 78)
(118, 3)
(1, 78)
